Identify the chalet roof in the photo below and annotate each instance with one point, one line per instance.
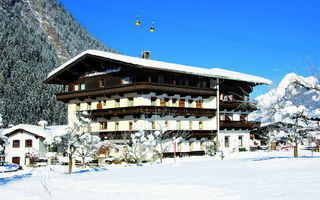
(35, 130)
(159, 65)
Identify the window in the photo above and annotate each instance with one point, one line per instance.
(76, 87)
(199, 103)
(99, 106)
(201, 125)
(190, 101)
(228, 117)
(153, 125)
(222, 117)
(153, 101)
(181, 103)
(117, 103)
(116, 126)
(240, 141)
(82, 86)
(16, 143)
(77, 106)
(160, 79)
(222, 95)
(162, 102)
(181, 81)
(130, 101)
(186, 82)
(101, 83)
(130, 126)
(28, 143)
(243, 117)
(226, 141)
(103, 125)
(178, 124)
(89, 106)
(204, 84)
(174, 102)
(126, 80)
(190, 125)
(166, 101)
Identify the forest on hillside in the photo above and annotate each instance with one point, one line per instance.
(36, 36)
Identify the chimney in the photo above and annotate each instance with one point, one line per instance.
(43, 124)
(146, 55)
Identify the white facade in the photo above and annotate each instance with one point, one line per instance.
(155, 122)
(27, 139)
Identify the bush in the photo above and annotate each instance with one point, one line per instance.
(212, 148)
(242, 149)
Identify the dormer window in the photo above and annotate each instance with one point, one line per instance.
(76, 87)
(126, 80)
(101, 83)
(66, 88)
(160, 79)
(82, 86)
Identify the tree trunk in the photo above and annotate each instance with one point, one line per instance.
(83, 160)
(70, 164)
(161, 157)
(296, 148)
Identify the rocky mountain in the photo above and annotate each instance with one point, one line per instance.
(35, 37)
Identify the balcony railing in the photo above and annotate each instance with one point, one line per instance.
(239, 125)
(140, 88)
(187, 134)
(136, 111)
(237, 105)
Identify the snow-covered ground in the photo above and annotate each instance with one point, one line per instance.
(245, 175)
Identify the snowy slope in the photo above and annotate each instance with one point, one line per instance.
(285, 101)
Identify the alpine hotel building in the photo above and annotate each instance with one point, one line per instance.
(124, 93)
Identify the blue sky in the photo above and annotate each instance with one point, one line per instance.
(267, 38)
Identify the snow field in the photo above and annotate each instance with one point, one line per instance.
(245, 175)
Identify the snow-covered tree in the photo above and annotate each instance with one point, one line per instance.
(161, 140)
(294, 103)
(76, 139)
(139, 147)
(88, 141)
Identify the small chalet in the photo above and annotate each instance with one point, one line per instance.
(25, 139)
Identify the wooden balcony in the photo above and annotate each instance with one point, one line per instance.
(140, 88)
(187, 134)
(148, 111)
(237, 105)
(239, 125)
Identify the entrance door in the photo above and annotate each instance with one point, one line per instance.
(16, 160)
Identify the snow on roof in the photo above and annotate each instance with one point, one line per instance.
(153, 64)
(36, 130)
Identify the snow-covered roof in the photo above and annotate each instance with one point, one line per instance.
(153, 64)
(36, 130)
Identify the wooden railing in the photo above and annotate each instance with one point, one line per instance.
(239, 124)
(237, 105)
(154, 110)
(140, 88)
